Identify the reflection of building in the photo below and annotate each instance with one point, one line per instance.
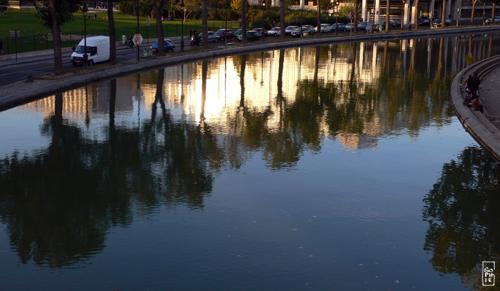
(92, 100)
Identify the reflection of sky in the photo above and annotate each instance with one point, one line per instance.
(21, 132)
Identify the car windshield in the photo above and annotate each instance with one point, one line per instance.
(92, 50)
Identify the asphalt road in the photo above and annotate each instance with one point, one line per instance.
(12, 71)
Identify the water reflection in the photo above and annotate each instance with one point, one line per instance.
(461, 210)
(122, 148)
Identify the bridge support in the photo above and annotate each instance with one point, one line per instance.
(364, 10)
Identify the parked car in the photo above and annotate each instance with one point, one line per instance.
(349, 26)
(167, 44)
(261, 31)
(492, 20)
(96, 49)
(325, 27)
(297, 32)
(251, 35)
(424, 20)
(338, 27)
(275, 31)
(395, 23)
(289, 29)
(308, 29)
(362, 25)
(224, 34)
(436, 22)
(212, 37)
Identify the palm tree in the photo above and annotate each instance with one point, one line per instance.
(355, 15)
(318, 16)
(443, 13)
(159, 26)
(387, 15)
(56, 37)
(204, 21)
(282, 18)
(244, 20)
(112, 33)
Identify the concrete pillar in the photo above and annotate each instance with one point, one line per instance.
(406, 14)
(361, 58)
(414, 15)
(363, 10)
(377, 11)
(374, 59)
(301, 4)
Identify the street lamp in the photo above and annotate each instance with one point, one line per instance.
(337, 3)
(458, 15)
(85, 9)
(183, 7)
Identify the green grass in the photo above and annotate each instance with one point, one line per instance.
(33, 32)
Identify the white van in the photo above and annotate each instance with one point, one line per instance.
(97, 50)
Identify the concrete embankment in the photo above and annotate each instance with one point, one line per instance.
(21, 92)
(483, 126)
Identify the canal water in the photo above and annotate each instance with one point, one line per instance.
(336, 167)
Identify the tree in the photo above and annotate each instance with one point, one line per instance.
(238, 7)
(112, 33)
(159, 26)
(204, 21)
(53, 14)
(355, 21)
(282, 18)
(318, 15)
(388, 15)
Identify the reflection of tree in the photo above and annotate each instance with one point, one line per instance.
(461, 209)
(59, 204)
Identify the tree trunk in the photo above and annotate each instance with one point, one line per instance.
(56, 37)
(204, 21)
(159, 27)
(473, 12)
(443, 14)
(355, 20)
(244, 20)
(387, 15)
(415, 19)
(282, 18)
(112, 33)
(318, 16)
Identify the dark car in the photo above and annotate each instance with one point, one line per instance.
(224, 34)
(424, 21)
(168, 45)
(251, 35)
(394, 23)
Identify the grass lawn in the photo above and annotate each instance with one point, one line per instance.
(33, 33)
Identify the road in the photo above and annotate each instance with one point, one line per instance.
(12, 71)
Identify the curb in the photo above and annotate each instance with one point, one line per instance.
(476, 123)
(20, 92)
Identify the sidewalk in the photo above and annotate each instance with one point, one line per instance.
(490, 95)
(483, 126)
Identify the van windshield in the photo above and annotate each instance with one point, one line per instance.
(91, 50)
